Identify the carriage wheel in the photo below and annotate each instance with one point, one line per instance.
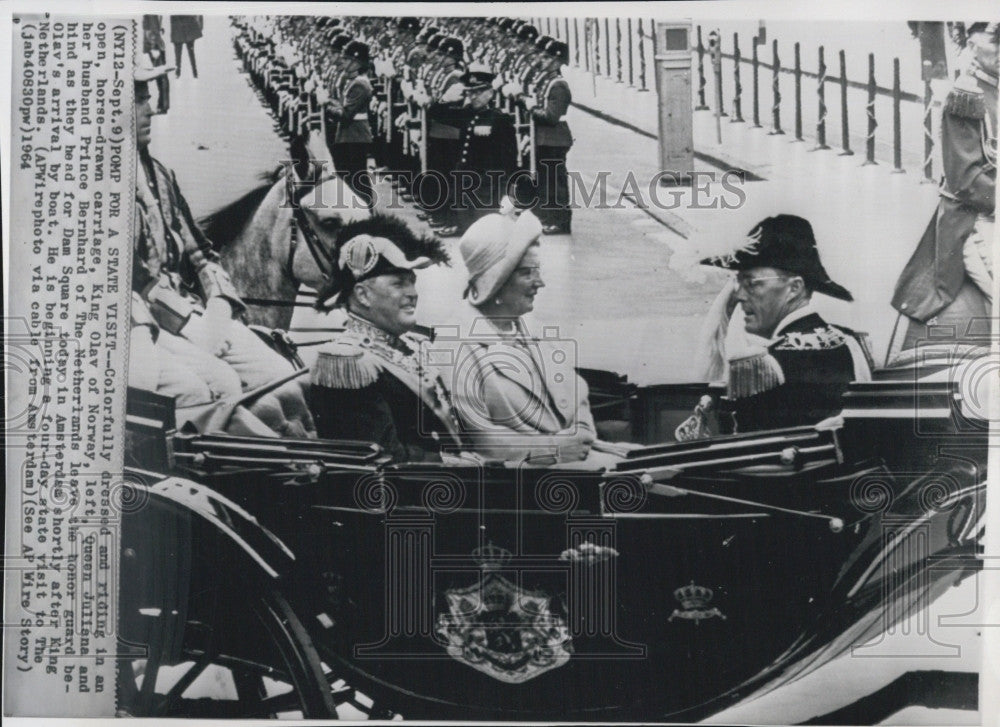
(256, 664)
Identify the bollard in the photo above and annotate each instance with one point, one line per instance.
(618, 47)
(737, 87)
(798, 94)
(756, 89)
(870, 109)
(775, 90)
(928, 134)
(596, 41)
(701, 75)
(607, 46)
(845, 136)
(566, 28)
(576, 42)
(821, 98)
(897, 132)
(631, 70)
(642, 59)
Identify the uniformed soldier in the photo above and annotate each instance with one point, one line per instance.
(807, 364)
(548, 102)
(949, 278)
(487, 150)
(349, 110)
(369, 383)
(442, 87)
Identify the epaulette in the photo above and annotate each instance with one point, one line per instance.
(819, 339)
(965, 103)
(345, 365)
(753, 374)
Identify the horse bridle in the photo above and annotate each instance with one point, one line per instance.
(323, 259)
(320, 255)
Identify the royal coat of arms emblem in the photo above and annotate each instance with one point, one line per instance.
(503, 630)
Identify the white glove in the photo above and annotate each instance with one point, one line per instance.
(454, 93)
(529, 102)
(497, 83)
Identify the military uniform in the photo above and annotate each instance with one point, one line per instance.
(174, 268)
(486, 151)
(369, 385)
(808, 363)
(798, 381)
(933, 287)
(552, 143)
(353, 138)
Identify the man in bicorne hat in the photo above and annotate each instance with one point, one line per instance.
(368, 383)
(807, 363)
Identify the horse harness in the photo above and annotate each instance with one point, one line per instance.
(300, 224)
(320, 255)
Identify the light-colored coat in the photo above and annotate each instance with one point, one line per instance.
(513, 400)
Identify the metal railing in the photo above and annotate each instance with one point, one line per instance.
(622, 50)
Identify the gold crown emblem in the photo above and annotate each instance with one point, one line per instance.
(693, 597)
(491, 556)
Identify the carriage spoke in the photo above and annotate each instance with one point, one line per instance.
(173, 697)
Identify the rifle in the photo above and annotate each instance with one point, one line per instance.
(423, 139)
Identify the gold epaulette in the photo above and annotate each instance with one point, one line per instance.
(753, 374)
(345, 365)
(965, 103)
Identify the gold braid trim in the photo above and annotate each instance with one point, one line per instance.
(754, 374)
(343, 365)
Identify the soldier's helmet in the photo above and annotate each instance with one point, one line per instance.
(543, 40)
(340, 41)
(453, 48)
(357, 51)
(528, 33)
(558, 49)
(410, 25)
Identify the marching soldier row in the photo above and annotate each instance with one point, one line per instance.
(459, 112)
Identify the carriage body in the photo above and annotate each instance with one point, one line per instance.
(499, 591)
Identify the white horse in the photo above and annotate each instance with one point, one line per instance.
(283, 235)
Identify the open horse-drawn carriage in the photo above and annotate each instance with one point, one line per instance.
(686, 578)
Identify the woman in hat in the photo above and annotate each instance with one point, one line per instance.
(516, 397)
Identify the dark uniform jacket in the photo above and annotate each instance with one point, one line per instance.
(813, 361)
(553, 98)
(351, 112)
(934, 275)
(173, 263)
(185, 28)
(486, 140)
(368, 385)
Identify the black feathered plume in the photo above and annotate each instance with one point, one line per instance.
(378, 225)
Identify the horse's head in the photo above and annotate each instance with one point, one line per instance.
(322, 204)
